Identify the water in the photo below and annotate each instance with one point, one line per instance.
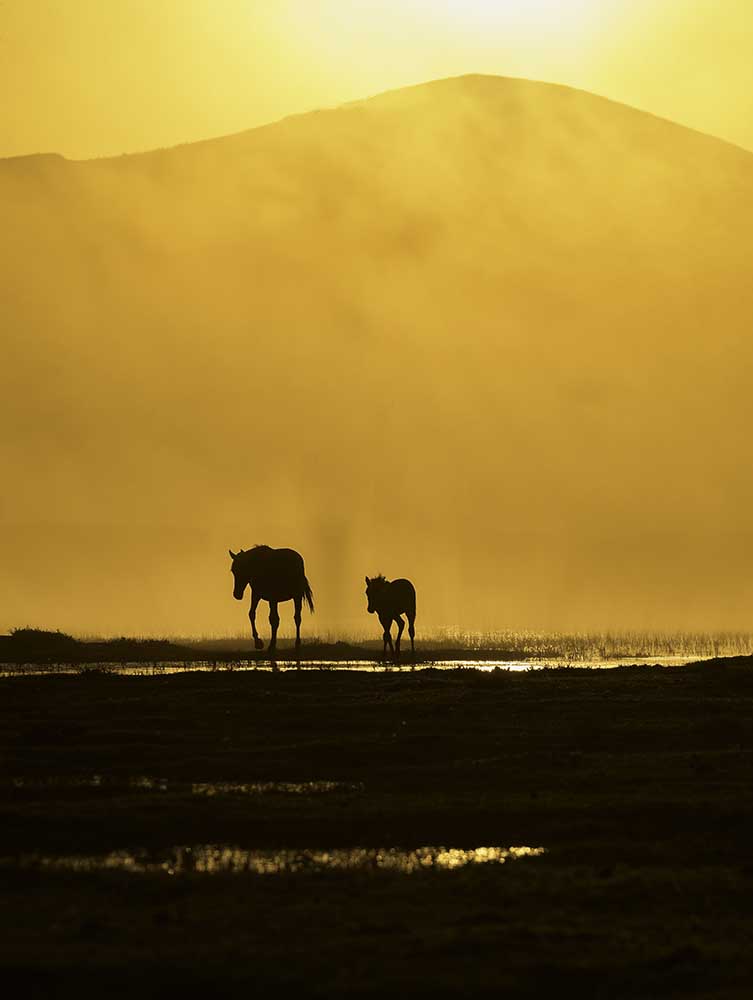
(217, 859)
(164, 668)
(205, 789)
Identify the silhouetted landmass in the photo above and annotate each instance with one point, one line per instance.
(40, 646)
(37, 641)
(637, 783)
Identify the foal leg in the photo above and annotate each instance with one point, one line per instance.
(252, 618)
(274, 621)
(412, 630)
(400, 627)
(386, 621)
(298, 603)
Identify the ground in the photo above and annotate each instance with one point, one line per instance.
(638, 782)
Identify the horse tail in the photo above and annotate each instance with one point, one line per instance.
(308, 595)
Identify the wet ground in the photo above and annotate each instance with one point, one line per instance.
(465, 661)
(342, 833)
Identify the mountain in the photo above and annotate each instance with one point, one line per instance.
(488, 333)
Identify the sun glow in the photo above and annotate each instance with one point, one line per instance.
(519, 17)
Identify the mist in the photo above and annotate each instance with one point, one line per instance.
(487, 334)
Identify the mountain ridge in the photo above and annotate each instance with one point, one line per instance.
(385, 98)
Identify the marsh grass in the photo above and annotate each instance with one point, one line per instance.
(41, 646)
(606, 645)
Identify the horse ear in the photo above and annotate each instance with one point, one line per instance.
(368, 581)
(232, 554)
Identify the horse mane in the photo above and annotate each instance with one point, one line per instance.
(379, 579)
(245, 554)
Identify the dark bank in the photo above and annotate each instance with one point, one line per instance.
(635, 782)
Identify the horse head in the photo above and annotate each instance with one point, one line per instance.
(240, 574)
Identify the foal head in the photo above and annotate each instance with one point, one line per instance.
(374, 588)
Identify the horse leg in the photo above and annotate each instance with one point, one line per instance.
(400, 626)
(298, 603)
(412, 629)
(252, 618)
(386, 621)
(274, 621)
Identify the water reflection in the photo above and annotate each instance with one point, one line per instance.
(212, 859)
(367, 666)
(207, 789)
(274, 788)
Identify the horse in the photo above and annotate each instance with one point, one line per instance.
(274, 575)
(389, 599)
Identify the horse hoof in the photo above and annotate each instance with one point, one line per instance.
(258, 643)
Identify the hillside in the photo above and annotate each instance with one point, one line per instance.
(487, 333)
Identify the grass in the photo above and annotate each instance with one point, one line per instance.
(41, 646)
(637, 781)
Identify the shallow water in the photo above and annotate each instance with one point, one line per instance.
(216, 859)
(207, 789)
(368, 666)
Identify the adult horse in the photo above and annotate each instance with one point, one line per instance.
(389, 600)
(274, 575)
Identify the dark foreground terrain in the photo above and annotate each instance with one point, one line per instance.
(638, 782)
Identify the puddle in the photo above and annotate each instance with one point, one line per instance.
(275, 788)
(366, 666)
(211, 859)
(208, 789)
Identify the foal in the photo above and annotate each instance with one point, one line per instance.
(389, 600)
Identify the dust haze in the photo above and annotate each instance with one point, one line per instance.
(489, 334)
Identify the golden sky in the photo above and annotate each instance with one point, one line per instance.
(554, 288)
(97, 77)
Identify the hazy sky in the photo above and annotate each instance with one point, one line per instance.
(96, 77)
(488, 334)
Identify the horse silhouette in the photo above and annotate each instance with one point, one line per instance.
(274, 575)
(390, 599)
